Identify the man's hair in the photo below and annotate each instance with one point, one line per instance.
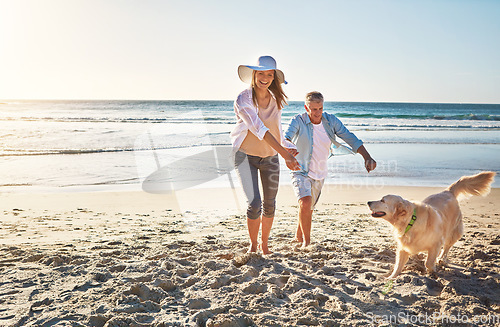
(314, 96)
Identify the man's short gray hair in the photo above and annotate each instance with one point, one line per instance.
(314, 96)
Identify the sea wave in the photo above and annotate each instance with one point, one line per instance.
(421, 117)
(41, 152)
(45, 152)
(121, 120)
(229, 119)
(421, 127)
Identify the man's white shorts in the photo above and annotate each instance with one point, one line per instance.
(306, 186)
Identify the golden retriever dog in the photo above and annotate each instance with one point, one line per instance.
(432, 226)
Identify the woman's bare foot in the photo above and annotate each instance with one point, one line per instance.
(296, 240)
(252, 248)
(265, 249)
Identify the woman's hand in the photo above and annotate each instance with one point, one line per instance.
(290, 160)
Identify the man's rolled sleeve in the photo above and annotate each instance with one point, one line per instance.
(346, 135)
(292, 129)
(287, 144)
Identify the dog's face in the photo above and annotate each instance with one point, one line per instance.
(390, 208)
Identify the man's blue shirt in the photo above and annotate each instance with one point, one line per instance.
(300, 132)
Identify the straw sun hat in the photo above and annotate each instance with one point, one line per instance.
(263, 63)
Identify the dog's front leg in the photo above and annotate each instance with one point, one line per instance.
(401, 259)
(430, 262)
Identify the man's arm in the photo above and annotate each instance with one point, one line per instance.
(293, 129)
(341, 131)
(291, 132)
(351, 139)
(293, 152)
(370, 164)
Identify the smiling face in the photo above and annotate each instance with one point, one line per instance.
(263, 78)
(314, 111)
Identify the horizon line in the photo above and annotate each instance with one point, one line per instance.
(2, 101)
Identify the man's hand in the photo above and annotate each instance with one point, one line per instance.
(293, 152)
(370, 164)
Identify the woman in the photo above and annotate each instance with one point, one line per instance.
(257, 140)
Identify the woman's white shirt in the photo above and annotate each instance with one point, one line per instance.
(258, 122)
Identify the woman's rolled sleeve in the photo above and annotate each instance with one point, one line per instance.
(247, 112)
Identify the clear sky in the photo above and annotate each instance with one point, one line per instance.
(372, 50)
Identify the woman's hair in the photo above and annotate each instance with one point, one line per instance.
(275, 89)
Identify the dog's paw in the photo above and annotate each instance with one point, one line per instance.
(443, 262)
(432, 274)
(387, 274)
(391, 276)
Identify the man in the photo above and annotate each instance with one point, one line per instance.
(313, 133)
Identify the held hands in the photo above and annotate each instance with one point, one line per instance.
(370, 164)
(293, 152)
(291, 162)
(286, 153)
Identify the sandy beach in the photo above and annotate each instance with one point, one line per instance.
(120, 190)
(132, 259)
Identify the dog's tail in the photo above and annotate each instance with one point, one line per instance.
(478, 184)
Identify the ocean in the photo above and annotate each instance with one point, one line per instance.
(73, 146)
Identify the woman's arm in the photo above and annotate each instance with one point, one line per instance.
(290, 160)
(247, 112)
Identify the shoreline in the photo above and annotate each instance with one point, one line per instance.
(357, 180)
(419, 164)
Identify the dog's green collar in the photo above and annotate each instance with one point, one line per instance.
(412, 221)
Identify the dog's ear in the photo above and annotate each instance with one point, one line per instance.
(401, 210)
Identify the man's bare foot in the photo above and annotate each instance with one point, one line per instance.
(265, 249)
(305, 244)
(296, 240)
